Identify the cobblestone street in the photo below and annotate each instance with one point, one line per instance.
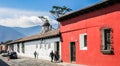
(30, 62)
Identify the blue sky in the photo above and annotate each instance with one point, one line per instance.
(45, 5)
(26, 11)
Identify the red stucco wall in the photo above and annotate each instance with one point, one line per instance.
(91, 24)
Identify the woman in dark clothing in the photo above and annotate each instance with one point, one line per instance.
(35, 54)
(52, 56)
(56, 56)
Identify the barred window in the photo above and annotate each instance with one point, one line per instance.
(106, 47)
(106, 39)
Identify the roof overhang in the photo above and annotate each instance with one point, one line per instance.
(49, 34)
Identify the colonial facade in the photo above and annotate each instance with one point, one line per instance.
(91, 36)
(41, 43)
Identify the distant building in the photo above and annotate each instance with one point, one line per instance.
(43, 43)
(3, 46)
(91, 36)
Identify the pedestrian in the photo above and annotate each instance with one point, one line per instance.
(51, 55)
(56, 55)
(35, 54)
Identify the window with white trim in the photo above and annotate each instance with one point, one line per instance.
(83, 41)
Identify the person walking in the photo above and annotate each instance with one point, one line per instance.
(51, 55)
(56, 55)
(35, 54)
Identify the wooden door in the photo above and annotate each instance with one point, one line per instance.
(72, 52)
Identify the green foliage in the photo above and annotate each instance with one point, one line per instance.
(58, 11)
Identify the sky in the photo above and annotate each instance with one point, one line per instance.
(24, 13)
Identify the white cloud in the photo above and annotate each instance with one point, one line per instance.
(22, 18)
(22, 21)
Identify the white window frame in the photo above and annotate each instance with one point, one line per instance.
(82, 43)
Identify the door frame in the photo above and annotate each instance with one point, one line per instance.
(70, 51)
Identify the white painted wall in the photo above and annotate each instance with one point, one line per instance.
(43, 48)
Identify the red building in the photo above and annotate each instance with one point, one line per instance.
(91, 36)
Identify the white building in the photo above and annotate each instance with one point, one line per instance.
(41, 43)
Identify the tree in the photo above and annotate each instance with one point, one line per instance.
(43, 19)
(58, 11)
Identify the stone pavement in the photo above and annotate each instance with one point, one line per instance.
(24, 61)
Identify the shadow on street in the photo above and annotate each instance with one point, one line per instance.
(2, 63)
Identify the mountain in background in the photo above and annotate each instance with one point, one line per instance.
(28, 31)
(7, 33)
(13, 33)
